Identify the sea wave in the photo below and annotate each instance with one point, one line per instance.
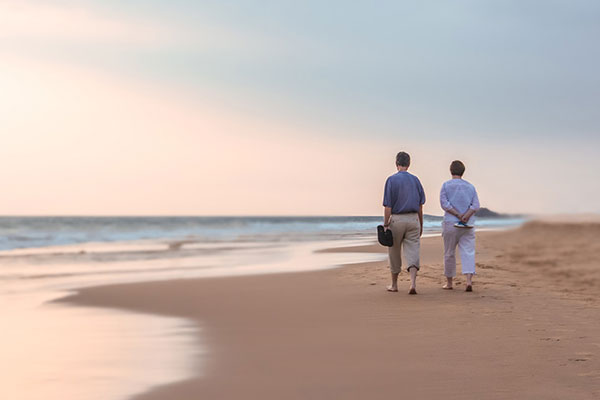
(32, 232)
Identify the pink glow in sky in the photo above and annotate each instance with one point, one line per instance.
(83, 137)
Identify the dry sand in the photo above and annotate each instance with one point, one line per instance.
(530, 329)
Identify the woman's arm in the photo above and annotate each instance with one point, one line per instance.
(446, 205)
(472, 208)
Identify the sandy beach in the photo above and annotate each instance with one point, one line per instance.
(530, 329)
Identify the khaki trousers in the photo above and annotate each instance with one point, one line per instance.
(406, 230)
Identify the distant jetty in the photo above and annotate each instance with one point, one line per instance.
(484, 213)
(487, 213)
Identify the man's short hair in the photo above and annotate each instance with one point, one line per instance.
(403, 159)
(457, 168)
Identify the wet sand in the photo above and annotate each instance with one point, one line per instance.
(530, 329)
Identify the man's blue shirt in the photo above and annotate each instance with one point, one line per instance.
(403, 193)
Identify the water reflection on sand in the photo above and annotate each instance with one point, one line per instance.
(53, 350)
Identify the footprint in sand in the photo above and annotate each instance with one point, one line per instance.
(590, 374)
(551, 339)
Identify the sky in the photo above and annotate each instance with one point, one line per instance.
(295, 108)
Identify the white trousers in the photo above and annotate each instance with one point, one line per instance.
(464, 238)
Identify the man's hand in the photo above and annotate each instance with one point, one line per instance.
(464, 218)
(420, 214)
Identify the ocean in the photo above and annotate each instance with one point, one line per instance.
(32, 232)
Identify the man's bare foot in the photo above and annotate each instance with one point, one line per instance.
(469, 288)
(412, 291)
(392, 288)
(449, 282)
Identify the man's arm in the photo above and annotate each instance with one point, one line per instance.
(387, 215)
(421, 219)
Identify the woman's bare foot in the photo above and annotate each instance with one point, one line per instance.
(447, 287)
(392, 288)
(469, 287)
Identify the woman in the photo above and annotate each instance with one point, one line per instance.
(459, 200)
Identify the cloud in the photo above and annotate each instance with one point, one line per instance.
(29, 20)
(82, 142)
(189, 112)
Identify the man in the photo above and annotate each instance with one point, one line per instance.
(459, 200)
(403, 201)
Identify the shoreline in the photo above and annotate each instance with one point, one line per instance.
(333, 333)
